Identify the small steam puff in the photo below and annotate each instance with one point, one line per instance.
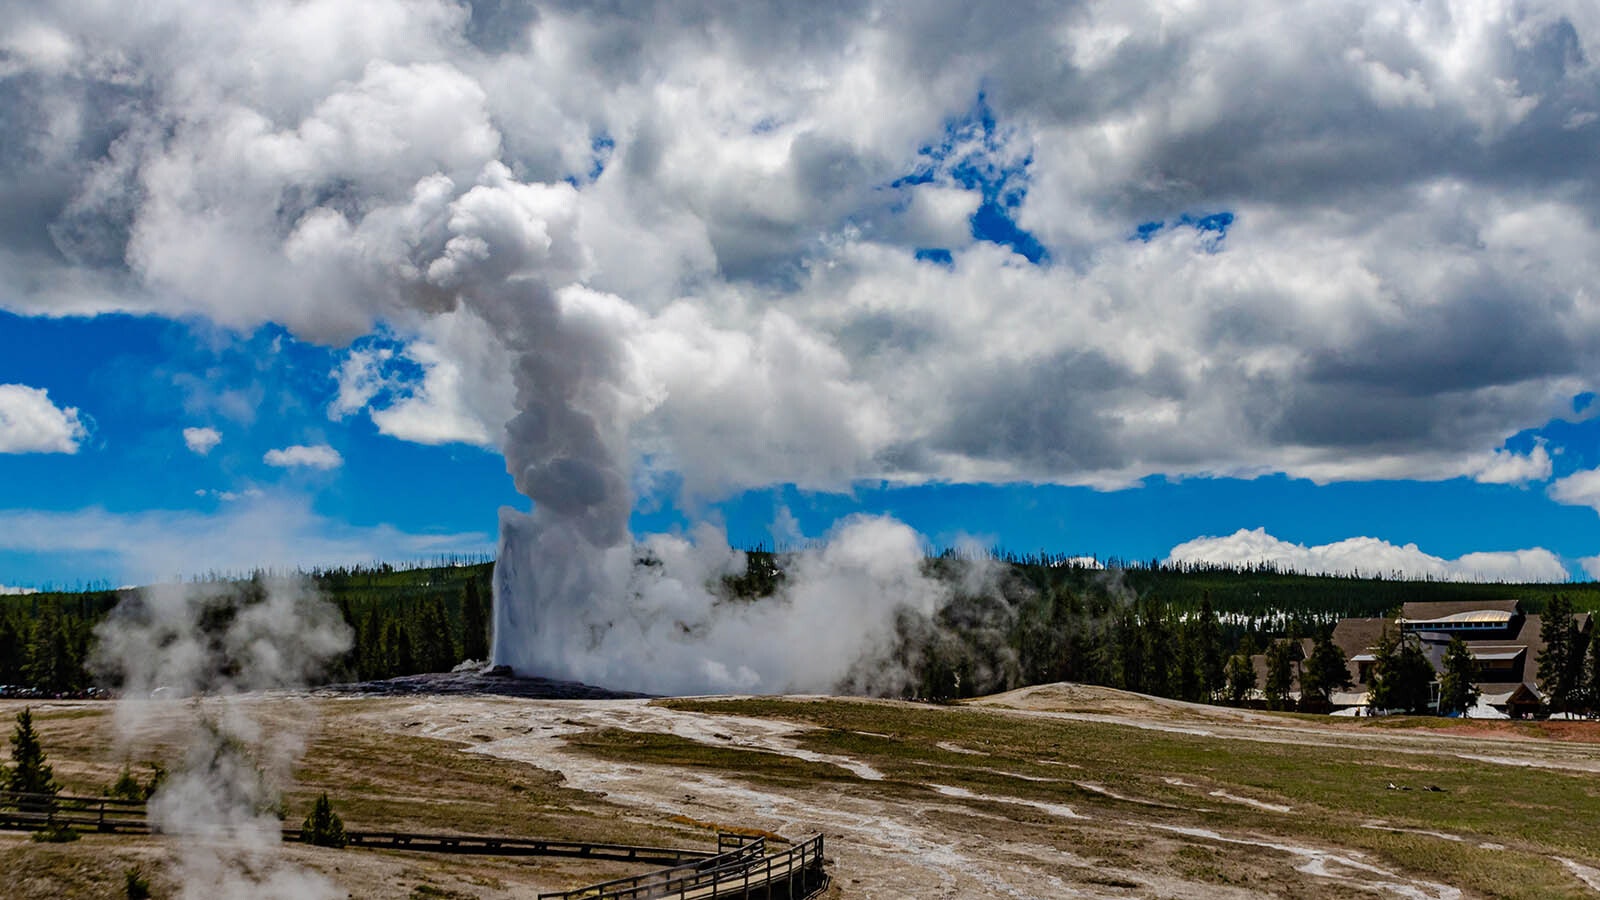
(188, 656)
(650, 618)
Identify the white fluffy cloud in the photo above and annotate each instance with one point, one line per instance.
(314, 456)
(1507, 467)
(1405, 284)
(201, 441)
(30, 423)
(1578, 489)
(15, 591)
(271, 531)
(464, 395)
(1370, 556)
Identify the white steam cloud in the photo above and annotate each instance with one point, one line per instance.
(600, 615)
(189, 657)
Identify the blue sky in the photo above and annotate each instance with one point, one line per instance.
(139, 381)
(1102, 285)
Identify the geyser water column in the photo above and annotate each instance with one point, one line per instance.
(579, 387)
(547, 577)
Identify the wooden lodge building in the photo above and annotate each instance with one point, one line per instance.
(1504, 642)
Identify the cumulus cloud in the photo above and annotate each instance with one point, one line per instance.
(1578, 489)
(1370, 556)
(272, 531)
(1402, 284)
(458, 390)
(314, 456)
(6, 591)
(30, 423)
(1591, 567)
(1507, 467)
(201, 441)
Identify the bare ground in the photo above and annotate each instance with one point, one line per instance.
(1058, 791)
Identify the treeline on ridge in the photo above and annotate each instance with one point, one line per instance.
(1144, 626)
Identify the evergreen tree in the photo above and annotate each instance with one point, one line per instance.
(1207, 637)
(1157, 651)
(1324, 672)
(12, 646)
(1187, 668)
(1129, 649)
(1280, 675)
(126, 786)
(323, 828)
(29, 773)
(1402, 677)
(1240, 674)
(1559, 661)
(475, 623)
(52, 663)
(402, 658)
(437, 649)
(1591, 679)
(1457, 693)
(372, 660)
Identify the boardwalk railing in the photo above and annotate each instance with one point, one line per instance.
(27, 811)
(494, 845)
(793, 873)
(742, 852)
(740, 868)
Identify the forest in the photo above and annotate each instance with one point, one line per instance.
(1167, 630)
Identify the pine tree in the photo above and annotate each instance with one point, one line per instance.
(1402, 677)
(437, 650)
(372, 659)
(1558, 661)
(323, 828)
(1188, 668)
(1157, 651)
(1591, 679)
(1240, 674)
(1457, 693)
(475, 625)
(1280, 674)
(12, 647)
(1129, 649)
(1208, 649)
(51, 662)
(1324, 672)
(30, 774)
(402, 658)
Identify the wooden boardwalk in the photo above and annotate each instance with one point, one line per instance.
(747, 871)
(742, 867)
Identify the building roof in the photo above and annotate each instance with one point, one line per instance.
(1484, 617)
(1425, 611)
(1496, 653)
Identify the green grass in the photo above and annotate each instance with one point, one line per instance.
(1333, 791)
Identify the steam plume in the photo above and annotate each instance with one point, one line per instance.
(189, 658)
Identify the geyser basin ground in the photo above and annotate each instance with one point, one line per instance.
(1048, 792)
